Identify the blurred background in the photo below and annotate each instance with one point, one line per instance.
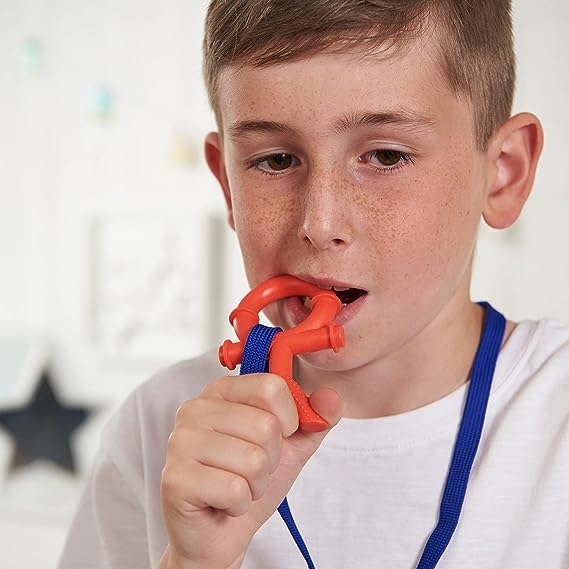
(114, 256)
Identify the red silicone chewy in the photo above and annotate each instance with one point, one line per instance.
(317, 332)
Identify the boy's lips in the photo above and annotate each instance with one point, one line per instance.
(353, 297)
(299, 312)
(327, 283)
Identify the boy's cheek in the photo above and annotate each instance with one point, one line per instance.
(263, 212)
(419, 236)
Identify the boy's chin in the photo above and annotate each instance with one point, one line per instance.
(329, 361)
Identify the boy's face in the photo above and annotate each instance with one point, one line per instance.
(360, 172)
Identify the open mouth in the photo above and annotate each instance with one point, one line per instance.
(346, 296)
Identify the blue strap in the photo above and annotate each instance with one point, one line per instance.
(469, 433)
(256, 351)
(255, 360)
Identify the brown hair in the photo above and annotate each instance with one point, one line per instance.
(475, 41)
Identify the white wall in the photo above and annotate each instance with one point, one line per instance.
(62, 170)
(525, 270)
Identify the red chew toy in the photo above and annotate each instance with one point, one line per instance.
(317, 332)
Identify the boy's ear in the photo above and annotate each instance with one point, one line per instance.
(214, 157)
(514, 153)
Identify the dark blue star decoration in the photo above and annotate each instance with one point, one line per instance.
(42, 430)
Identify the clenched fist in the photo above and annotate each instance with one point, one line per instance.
(233, 455)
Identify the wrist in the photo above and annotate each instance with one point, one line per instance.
(170, 560)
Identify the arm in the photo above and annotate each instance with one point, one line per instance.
(109, 528)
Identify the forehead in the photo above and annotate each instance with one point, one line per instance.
(322, 87)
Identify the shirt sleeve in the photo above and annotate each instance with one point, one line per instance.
(118, 523)
(109, 528)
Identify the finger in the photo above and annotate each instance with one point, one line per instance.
(224, 452)
(264, 391)
(250, 424)
(196, 487)
(327, 403)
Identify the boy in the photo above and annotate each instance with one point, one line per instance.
(359, 143)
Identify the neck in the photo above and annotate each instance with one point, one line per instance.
(434, 363)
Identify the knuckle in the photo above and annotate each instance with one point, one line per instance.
(183, 410)
(168, 483)
(238, 490)
(269, 429)
(190, 409)
(174, 444)
(182, 444)
(216, 387)
(257, 462)
(272, 387)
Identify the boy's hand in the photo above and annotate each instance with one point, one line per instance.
(233, 455)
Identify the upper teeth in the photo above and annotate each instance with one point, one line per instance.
(339, 288)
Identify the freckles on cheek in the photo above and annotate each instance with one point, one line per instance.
(448, 230)
(262, 220)
(264, 225)
(390, 217)
(416, 232)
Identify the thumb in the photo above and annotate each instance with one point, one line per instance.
(327, 403)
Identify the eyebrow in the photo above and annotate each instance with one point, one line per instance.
(241, 129)
(402, 118)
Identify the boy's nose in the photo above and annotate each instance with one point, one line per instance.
(325, 219)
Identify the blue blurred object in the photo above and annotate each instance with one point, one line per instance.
(43, 429)
(31, 55)
(40, 426)
(104, 103)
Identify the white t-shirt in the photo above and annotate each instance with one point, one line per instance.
(369, 497)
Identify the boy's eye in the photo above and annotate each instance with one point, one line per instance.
(279, 161)
(386, 159)
(274, 163)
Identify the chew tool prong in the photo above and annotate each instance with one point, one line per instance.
(317, 332)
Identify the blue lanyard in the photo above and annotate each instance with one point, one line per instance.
(255, 356)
